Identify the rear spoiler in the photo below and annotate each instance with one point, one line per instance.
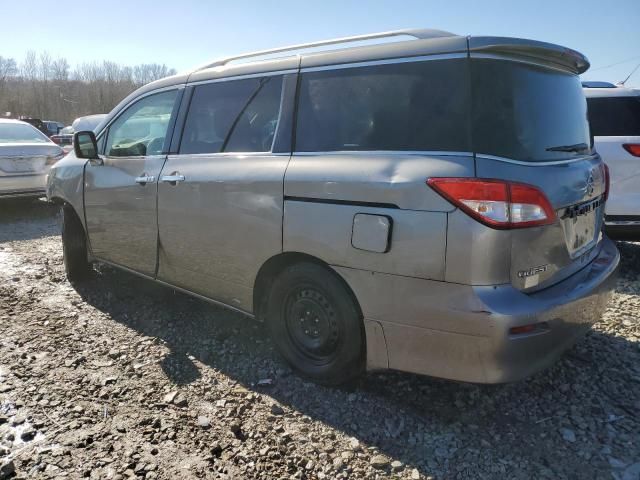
(532, 50)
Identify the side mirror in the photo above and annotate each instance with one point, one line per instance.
(85, 145)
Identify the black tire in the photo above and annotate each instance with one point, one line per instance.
(74, 246)
(316, 324)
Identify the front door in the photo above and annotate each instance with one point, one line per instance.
(121, 192)
(220, 199)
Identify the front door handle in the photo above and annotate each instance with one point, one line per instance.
(174, 178)
(144, 179)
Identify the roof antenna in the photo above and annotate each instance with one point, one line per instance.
(628, 76)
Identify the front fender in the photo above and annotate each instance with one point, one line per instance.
(65, 182)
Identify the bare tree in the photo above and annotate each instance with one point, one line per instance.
(52, 90)
(8, 68)
(60, 70)
(148, 72)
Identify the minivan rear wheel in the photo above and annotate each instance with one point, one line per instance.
(74, 246)
(315, 324)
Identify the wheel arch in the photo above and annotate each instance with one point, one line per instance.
(276, 264)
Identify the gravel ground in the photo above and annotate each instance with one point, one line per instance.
(122, 378)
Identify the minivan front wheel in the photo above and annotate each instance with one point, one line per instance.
(316, 324)
(74, 246)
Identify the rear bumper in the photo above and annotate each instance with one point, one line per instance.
(22, 185)
(463, 332)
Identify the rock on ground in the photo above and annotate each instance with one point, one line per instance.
(120, 378)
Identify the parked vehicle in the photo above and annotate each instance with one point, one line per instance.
(52, 127)
(36, 122)
(614, 116)
(64, 138)
(26, 154)
(430, 205)
(88, 122)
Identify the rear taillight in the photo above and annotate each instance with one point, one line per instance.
(54, 158)
(607, 181)
(632, 148)
(497, 203)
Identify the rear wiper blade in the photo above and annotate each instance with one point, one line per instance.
(578, 147)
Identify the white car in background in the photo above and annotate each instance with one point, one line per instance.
(614, 117)
(26, 155)
(88, 122)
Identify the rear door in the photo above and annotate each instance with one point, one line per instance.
(615, 125)
(121, 190)
(530, 126)
(220, 198)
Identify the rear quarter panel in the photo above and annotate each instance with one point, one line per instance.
(324, 192)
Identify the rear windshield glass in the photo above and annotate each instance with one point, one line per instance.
(21, 133)
(528, 113)
(420, 106)
(614, 116)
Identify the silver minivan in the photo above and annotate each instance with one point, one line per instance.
(431, 205)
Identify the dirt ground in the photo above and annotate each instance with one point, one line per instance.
(121, 378)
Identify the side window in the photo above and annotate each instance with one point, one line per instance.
(614, 116)
(233, 116)
(142, 128)
(403, 106)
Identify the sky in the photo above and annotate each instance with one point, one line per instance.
(186, 33)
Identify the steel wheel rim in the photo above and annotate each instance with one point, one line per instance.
(312, 324)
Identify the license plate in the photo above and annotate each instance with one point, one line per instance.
(580, 223)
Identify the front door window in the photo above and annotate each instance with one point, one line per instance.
(141, 130)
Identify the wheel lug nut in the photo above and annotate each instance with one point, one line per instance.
(306, 332)
(317, 320)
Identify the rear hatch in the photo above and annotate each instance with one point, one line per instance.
(529, 125)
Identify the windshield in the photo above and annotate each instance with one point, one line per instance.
(528, 113)
(21, 133)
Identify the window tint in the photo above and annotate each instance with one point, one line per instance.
(614, 116)
(142, 128)
(233, 116)
(527, 113)
(404, 106)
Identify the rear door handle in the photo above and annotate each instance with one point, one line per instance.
(174, 178)
(144, 179)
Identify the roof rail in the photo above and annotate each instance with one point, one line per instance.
(418, 33)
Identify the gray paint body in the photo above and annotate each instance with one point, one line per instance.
(441, 298)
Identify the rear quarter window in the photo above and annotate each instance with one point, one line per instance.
(417, 106)
(614, 116)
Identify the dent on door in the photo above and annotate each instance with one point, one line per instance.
(218, 223)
